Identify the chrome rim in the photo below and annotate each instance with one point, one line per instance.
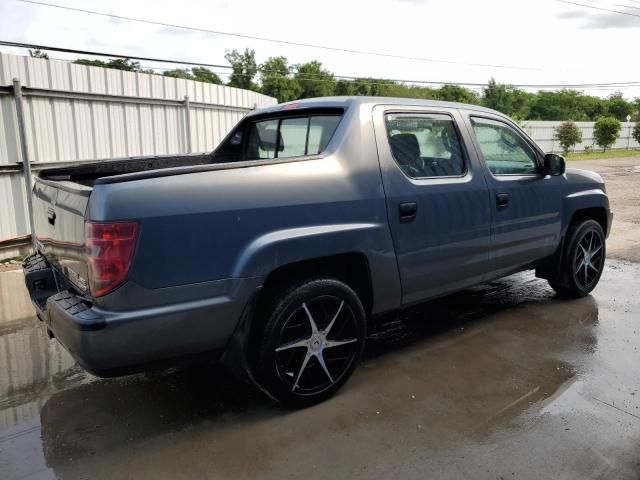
(589, 259)
(317, 345)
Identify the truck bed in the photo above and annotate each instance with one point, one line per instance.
(86, 174)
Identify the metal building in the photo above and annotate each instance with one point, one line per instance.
(77, 113)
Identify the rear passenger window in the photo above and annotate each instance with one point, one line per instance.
(290, 137)
(425, 145)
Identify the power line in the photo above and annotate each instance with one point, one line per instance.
(626, 6)
(312, 77)
(104, 54)
(579, 5)
(615, 4)
(285, 42)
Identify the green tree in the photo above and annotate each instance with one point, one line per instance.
(407, 91)
(592, 107)
(37, 53)
(606, 131)
(364, 87)
(277, 80)
(636, 132)
(202, 74)
(179, 73)
(125, 64)
(455, 93)
(568, 134)
(618, 107)
(635, 116)
(314, 80)
(199, 74)
(344, 87)
(243, 67)
(506, 99)
(561, 105)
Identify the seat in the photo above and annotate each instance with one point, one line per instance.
(406, 151)
(455, 164)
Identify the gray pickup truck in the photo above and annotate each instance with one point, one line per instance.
(271, 252)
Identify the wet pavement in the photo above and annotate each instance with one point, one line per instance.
(500, 381)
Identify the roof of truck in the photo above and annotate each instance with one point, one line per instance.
(349, 101)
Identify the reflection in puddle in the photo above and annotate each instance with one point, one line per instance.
(30, 365)
(455, 373)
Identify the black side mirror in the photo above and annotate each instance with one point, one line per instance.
(554, 164)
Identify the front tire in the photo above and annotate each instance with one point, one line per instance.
(583, 260)
(311, 343)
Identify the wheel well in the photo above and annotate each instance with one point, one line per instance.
(350, 268)
(598, 214)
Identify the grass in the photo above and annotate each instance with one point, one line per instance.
(599, 154)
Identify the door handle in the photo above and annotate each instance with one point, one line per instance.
(408, 211)
(502, 200)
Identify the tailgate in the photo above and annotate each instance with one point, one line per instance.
(59, 210)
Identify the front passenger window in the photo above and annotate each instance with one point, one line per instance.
(504, 151)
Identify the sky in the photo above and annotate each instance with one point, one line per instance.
(526, 41)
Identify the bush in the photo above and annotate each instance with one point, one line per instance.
(568, 134)
(636, 132)
(606, 131)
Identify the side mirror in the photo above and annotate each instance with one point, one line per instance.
(554, 164)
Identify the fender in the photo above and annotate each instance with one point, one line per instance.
(278, 248)
(594, 198)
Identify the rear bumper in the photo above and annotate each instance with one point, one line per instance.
(609, 221)
(109, 342)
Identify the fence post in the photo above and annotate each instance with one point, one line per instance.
(26, 162)
(187, 116)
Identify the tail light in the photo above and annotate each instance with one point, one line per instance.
(110, 249)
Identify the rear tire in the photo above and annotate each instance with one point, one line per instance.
(311, 343)
(582, 261)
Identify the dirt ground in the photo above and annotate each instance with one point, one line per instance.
(501, 381)
(622, 179)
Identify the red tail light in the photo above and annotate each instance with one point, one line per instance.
(110, 249)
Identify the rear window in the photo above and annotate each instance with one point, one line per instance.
(289, 137)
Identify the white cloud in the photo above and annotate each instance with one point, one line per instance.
(558, 39)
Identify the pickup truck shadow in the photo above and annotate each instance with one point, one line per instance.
(110, 414)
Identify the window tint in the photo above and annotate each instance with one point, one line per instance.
(425, 145)
(504, 151)
(292, 137)
(320, 132)
(262, 140)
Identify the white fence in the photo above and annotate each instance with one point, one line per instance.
(544, 135)
(76, 112)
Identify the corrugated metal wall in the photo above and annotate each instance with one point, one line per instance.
(68, 129)
(544, 135)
